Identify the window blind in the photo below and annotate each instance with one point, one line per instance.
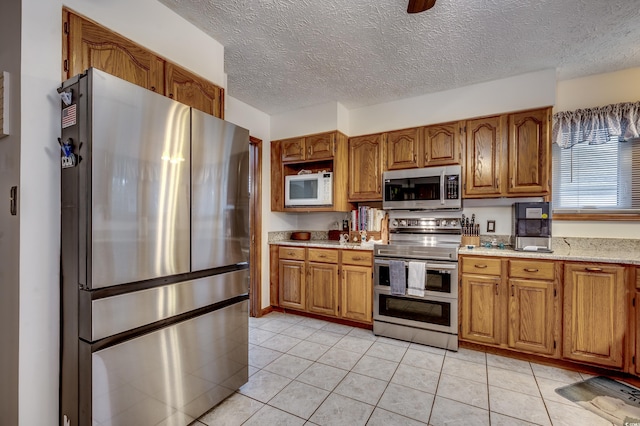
(601, 177)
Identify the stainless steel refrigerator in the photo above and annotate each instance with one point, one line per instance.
(154, 256)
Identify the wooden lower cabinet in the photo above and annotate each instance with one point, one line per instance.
(292, 284)
(481, 314)
(357, 289)
(510, 303)
(595, 314)
(322, 286)
(531, 316)
(331, 282)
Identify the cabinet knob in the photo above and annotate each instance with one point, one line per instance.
(153, 88)
(530, 270)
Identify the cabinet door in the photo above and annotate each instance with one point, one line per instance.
(402, 149)
(441, 144)
(320, 147)
(91, 45)
(529, 147)
(594, 314)
(293, 149)
(192, 90)
(365, 168)
(532, 316)
(636, 354)
(323, 288)
(292, 291)
(357, 293)
(480, 317)
(484, 143)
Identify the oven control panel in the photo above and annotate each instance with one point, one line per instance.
(424, 224)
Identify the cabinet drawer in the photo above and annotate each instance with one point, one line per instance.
(354, 257)
(323, 255)
(481, 265)
(531, 269)
(295, 253)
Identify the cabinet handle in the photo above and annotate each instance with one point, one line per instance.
(357, 258)
(480, 266)
(512, 291)
(593, 269)
(309, 151)
(530, 270)
(153, 88)
(290, 253)
(497, 284)
(322, 256)
(171, 95)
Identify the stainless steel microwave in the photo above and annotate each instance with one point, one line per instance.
(311, 189)
(427, 188)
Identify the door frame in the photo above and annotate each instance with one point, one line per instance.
(255, 225)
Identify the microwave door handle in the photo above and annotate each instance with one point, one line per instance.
(442, 196)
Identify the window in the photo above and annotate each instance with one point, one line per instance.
(596, 161)
(597, 178)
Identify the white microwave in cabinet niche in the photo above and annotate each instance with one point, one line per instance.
(311, 189)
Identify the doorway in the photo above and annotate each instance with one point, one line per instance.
(255, 224)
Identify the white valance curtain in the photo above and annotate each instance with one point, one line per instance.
(597, 125)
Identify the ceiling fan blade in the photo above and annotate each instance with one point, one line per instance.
(417, 6)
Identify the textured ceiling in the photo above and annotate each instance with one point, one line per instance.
(286, 54)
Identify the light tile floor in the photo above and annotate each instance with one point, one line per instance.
(305, 371)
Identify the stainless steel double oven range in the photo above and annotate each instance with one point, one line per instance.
(427, 236)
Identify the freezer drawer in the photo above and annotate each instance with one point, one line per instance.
(116, 314)
(174, 374)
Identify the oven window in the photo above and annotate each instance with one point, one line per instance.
(436, 280)
(425, 311)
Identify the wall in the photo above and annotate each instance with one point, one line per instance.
(39, 212)
(10, 225)
(525, 91)
(305, 121)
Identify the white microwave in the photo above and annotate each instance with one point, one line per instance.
(312, 189)
(428, 188)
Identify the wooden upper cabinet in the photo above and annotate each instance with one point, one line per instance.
(321, 146)
(90, 45)
(293, 149)
(529, 148)
(595, 314)
(484, 143)
(87, 44)
(309, 148)
(403, 149)
(365, 167)
(190, 89)
(441, 144)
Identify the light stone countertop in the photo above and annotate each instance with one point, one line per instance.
(604, 250)
(322, 244)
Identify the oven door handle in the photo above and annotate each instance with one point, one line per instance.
(440, 266)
